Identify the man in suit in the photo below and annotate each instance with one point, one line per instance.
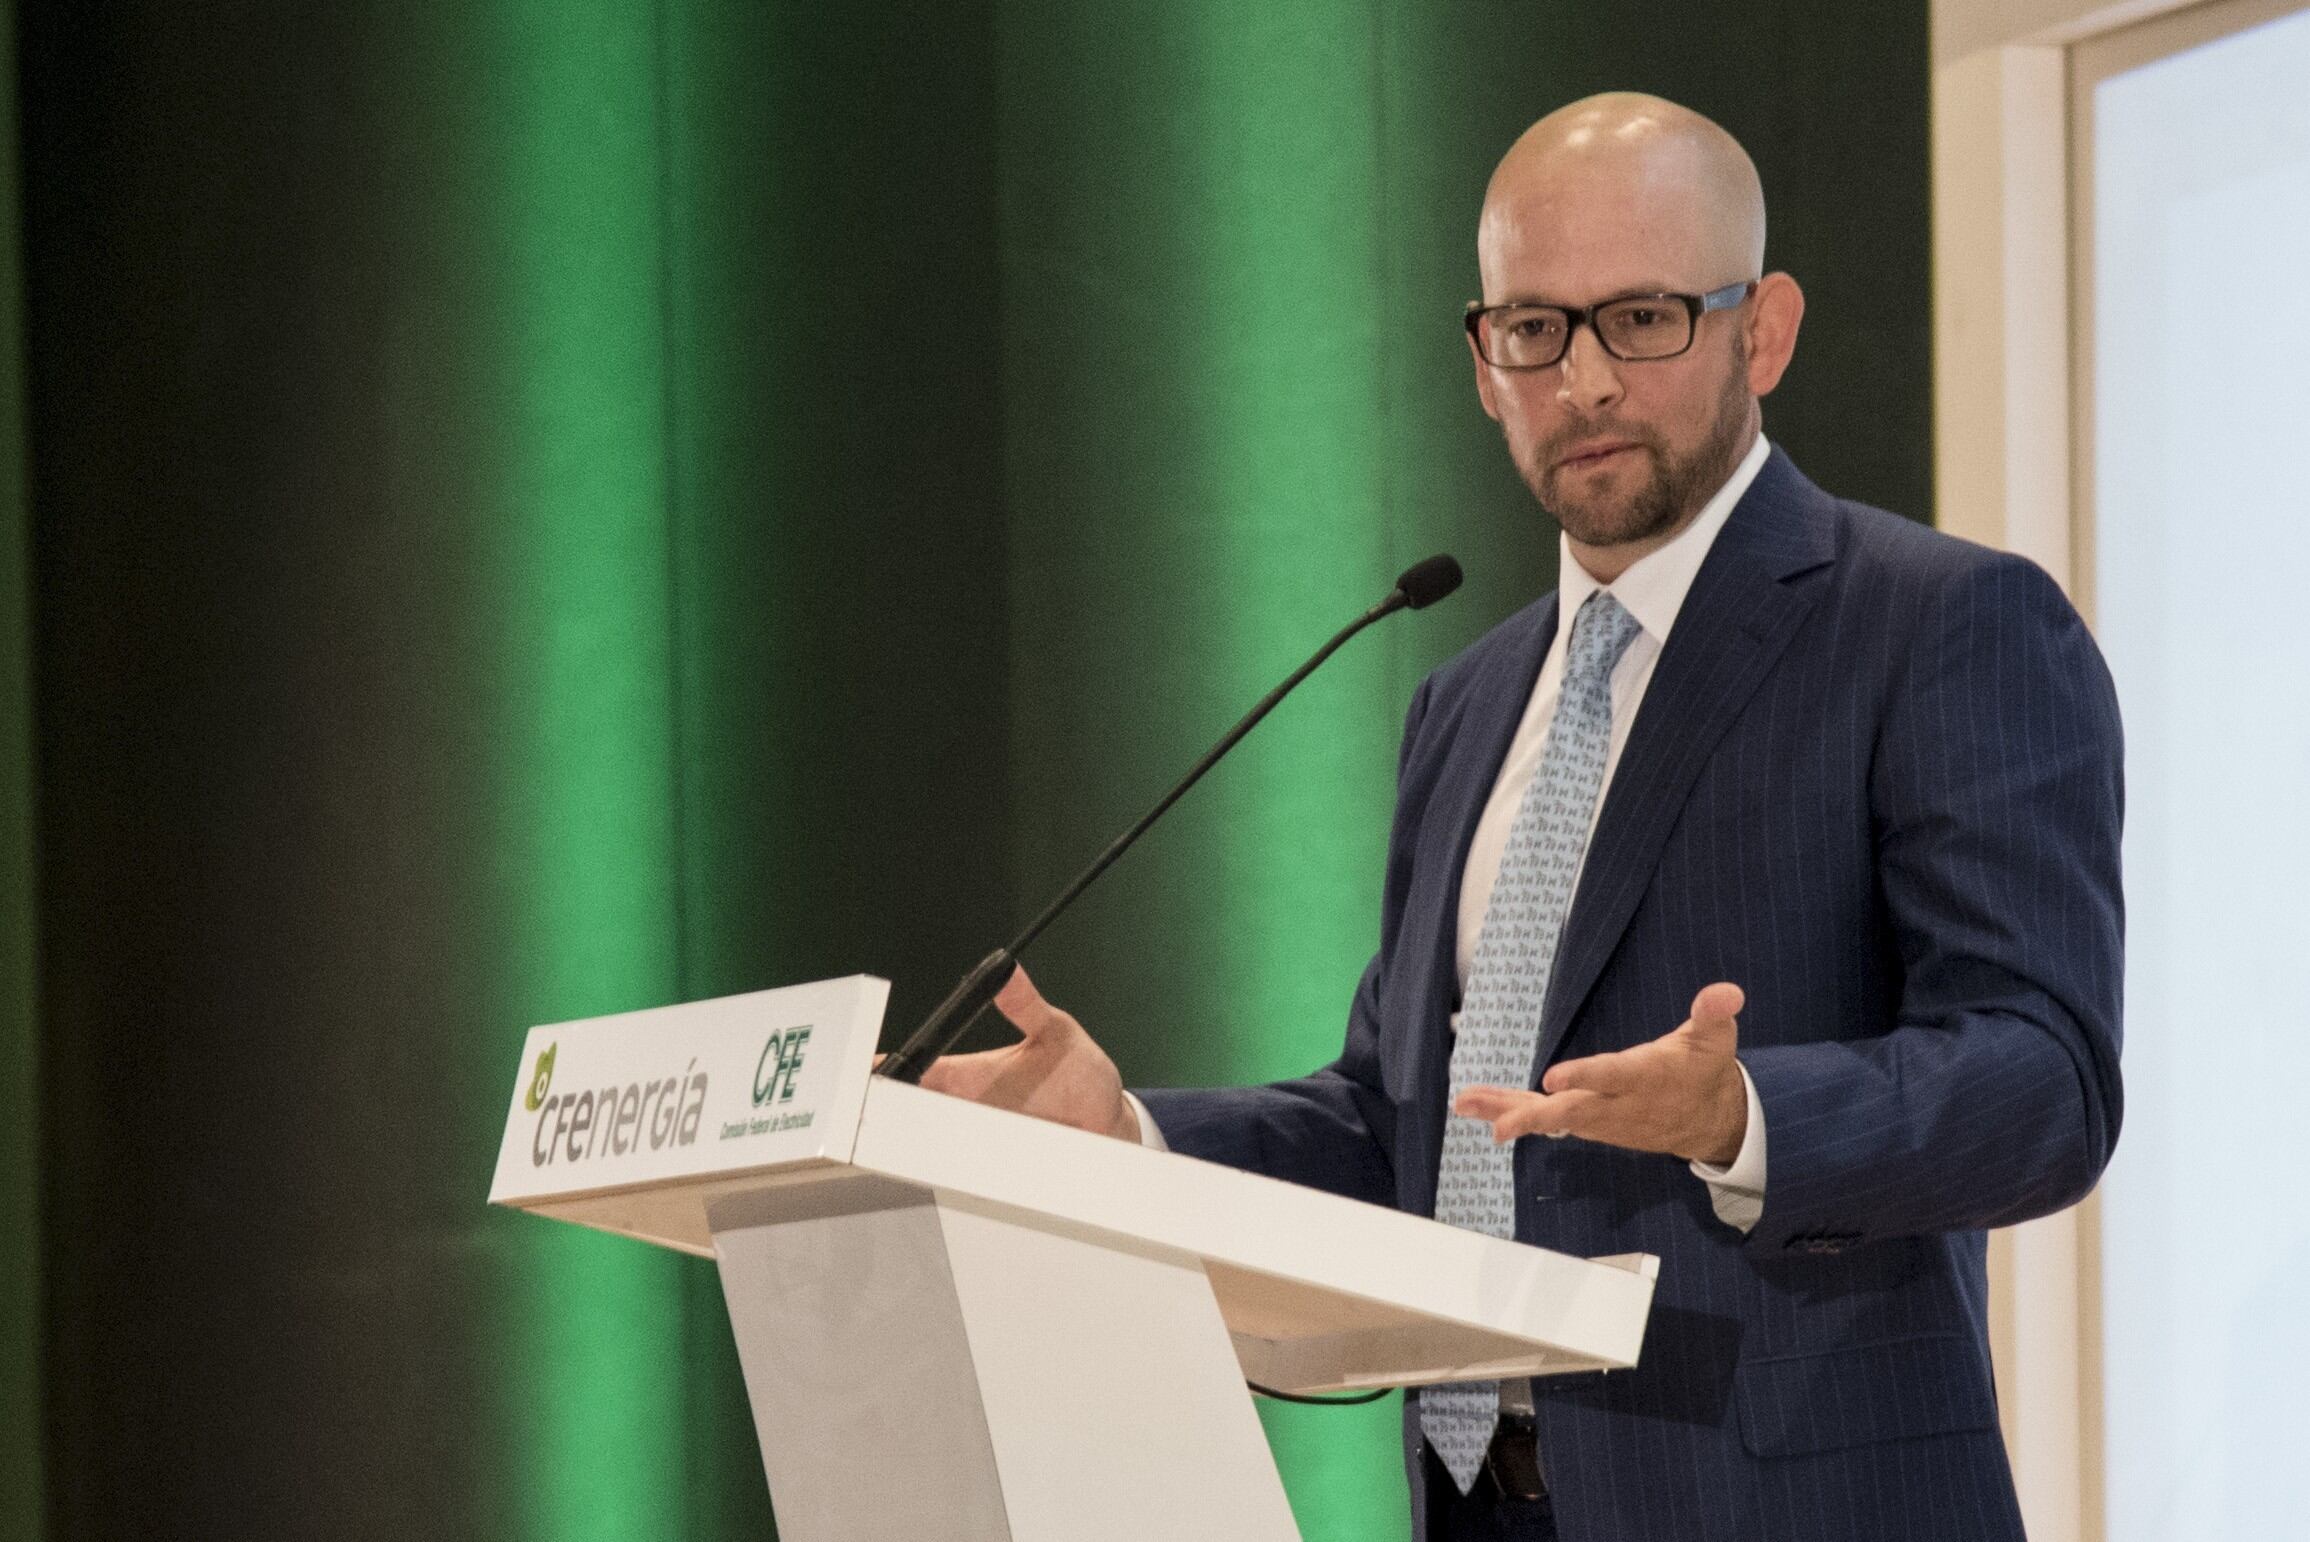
(1768, 871)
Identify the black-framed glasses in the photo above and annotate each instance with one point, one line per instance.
(1630, 326)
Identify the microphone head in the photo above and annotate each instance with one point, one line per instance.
(1428, 581)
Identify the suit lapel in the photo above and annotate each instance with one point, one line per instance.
(1502, 696)
(1491, 708)
(1734, 623)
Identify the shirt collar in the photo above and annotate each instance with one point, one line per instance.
(1654, 587)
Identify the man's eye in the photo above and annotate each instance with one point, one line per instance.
(1532, 329)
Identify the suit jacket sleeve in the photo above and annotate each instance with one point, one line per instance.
(1333, 1130)
(1996, 782)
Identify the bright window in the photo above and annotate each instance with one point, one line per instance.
(2201, 590)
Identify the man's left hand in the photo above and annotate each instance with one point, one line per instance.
(1682, 1093)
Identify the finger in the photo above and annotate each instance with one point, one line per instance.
(1486, 1103)
(1718, 1003)
(964, 1076)
(1712, 1026)
(1611, 1074)
(1551, 1114)
(1019, 1001)
(1513, 1113)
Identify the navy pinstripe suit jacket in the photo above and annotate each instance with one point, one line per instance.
(1875, 781)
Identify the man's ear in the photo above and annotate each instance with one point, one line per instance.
(1483, 382)
(1774, 316)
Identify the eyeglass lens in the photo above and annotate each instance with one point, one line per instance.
(1535, 336)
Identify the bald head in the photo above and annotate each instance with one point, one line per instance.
(1670, 186)
(1625, 197)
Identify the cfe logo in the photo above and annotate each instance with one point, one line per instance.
(541, 1079)
(781, 1062)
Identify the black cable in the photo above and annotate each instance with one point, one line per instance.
(1347, 1400)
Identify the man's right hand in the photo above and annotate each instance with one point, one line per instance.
(1056, 1071)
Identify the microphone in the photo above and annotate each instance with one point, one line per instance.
(1421, 585)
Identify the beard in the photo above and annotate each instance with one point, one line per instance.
(1668, 497)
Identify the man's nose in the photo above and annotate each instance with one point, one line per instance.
(1588, 378)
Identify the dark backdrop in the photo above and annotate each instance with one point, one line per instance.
(537, 509)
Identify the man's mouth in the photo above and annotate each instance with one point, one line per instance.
(1594, 453)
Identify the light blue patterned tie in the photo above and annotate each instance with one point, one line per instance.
(1499, 1031)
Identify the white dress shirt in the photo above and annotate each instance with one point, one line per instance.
(1652, 591)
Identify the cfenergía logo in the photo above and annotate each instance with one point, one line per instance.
(541, 1079)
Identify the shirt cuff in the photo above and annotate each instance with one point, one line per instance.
(1737, 1191)
(1151, 1133)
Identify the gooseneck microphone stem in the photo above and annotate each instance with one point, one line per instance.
(1123, 842)
(1420, 586)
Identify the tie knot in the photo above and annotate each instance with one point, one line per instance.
(1601, 633)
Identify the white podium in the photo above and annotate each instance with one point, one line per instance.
(963, 1323)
